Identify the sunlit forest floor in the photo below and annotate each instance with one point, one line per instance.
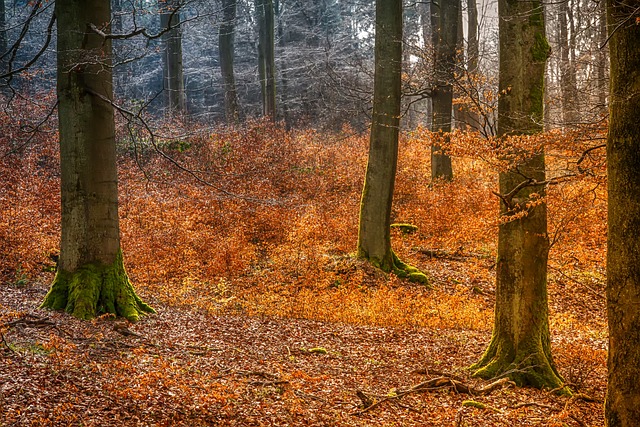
(244, 244)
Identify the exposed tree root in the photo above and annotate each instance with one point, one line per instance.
(94, 290)
(406, 271)
(369, 402)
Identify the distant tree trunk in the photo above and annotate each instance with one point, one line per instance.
(3, 31)
(226, 47)
(266, 56)
(472, 27)
(520, 346)
(459, 113)
(444, 35)
(119, 71)
(425, 21)
(284, 75)
(91, 279)
(3, 41)
(374, 237)
(603, 59)
(622, 408)
(172, 57)
(567, 64)
(473, 53)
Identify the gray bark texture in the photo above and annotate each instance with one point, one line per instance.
(226, 44)
(374, 237)
(90, 279)
(266, 56)
(444, 36)
(175, 97)
(520, 346)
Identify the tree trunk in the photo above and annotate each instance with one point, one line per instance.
(520, 346)
(374, 237)
(225, 39)
(458, 113)
(622, 408)
(3, 43)
(266, 57)
(603, 59)
(567, 64)
(175, 99)
(284, 75)
(91, 278)
(425, 21)
(473, 53)
(444, 35)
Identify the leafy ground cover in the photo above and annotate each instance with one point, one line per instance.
(244, 246)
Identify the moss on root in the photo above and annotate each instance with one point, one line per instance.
(96, 289)
(406, 271)
(525, 368)
(405, 228)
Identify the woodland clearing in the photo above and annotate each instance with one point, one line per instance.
(264, 316)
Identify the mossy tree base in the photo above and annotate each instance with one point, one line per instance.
(409, 272)
(95, 289)
(399, 268)
(524, 367)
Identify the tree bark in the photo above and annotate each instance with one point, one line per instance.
(567, 64)
(3, 42)
(603, 59)
(266, 57)
(175, 98)
(622, 408)
(91, 278)
(444, 36)
(226, 46)
(284, 74)
(473, 53)
(374, 236)
(520, 346)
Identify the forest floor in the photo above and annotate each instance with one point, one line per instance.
(190, 368)
(265, 318)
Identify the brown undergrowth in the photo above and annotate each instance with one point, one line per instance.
(251, 266)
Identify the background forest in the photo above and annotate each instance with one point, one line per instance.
(242, 136)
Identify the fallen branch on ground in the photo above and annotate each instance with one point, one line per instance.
(457, 255)
(432, 384)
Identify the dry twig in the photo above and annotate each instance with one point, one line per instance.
(430, 385)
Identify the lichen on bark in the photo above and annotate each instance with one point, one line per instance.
(95, 289)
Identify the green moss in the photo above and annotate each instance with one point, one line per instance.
(474, 404)
(540, 50)
(537, 100)
(536, 17)
(96, 289)
(405, 228)
(406, 271)
(527, 367)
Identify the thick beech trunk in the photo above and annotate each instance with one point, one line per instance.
(175, 98)
(622, 408)
(374, 237)
(91, 278)
(520, 346)
(444, 36)
(225, 40)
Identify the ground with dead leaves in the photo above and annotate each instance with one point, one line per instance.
(188, 368)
